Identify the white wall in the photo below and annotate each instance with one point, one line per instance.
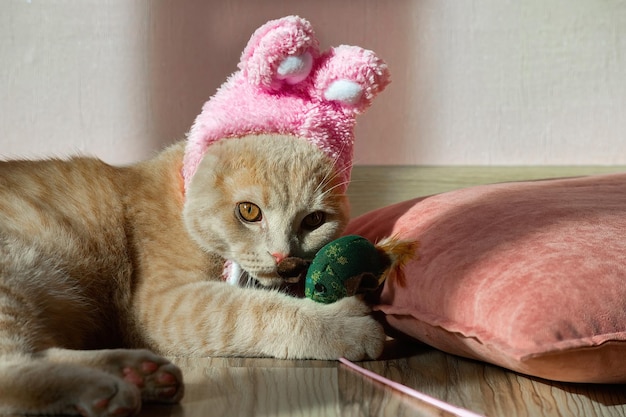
(474, 82)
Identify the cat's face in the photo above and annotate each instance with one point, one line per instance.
(257, 199)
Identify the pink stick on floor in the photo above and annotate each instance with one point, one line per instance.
(409, 391)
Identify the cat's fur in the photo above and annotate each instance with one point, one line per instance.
(100, 257)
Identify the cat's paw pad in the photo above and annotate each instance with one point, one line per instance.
(281, 51)
(157, 382)
(351, 76)
(158, 379)
(109, 397)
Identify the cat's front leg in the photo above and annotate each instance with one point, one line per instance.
(217, 319)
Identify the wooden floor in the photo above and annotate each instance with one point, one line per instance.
(268, 387)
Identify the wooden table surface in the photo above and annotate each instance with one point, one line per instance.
(269, 387)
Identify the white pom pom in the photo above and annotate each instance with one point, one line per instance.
(345, 91)
(294, 69)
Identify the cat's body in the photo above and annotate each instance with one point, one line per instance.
(98, 257)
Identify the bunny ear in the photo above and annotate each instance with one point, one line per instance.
(281, 50)
(284, 85)
(351, 76)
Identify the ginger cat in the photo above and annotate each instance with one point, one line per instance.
(100, 257)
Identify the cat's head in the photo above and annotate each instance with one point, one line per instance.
(257, 199)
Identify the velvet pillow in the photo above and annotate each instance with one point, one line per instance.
(530, 276)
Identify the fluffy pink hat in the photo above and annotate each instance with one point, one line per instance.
(286, 85)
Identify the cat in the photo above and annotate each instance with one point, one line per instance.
(101, 266)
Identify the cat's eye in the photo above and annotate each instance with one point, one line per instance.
(249, 212)
(313, 220)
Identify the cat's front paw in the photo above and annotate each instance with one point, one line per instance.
(344, 329)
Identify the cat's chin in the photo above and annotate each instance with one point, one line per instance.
(270, 282)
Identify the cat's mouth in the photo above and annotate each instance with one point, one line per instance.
(291, 270)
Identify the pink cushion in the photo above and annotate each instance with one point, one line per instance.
(530, 276)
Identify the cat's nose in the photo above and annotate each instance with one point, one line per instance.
(279, 256)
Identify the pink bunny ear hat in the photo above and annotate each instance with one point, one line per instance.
(285, 85)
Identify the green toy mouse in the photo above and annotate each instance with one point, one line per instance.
(353, 265)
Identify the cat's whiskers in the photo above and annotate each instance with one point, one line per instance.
(330, 175)
(341, 184)
(245, 280)
(328, 180)
(331, 170)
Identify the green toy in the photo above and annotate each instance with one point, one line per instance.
(352, 264)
